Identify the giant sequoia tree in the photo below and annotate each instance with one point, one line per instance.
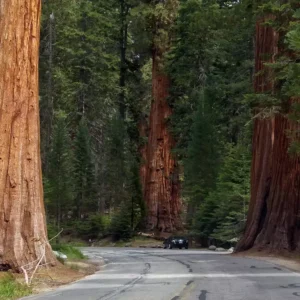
(273, 220)
(161, 186)
(22, 216)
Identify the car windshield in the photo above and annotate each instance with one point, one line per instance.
(178, 238)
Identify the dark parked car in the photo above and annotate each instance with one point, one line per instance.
(176, 242)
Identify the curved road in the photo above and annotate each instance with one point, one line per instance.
(157, 274)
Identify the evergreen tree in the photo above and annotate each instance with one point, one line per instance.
(222, 214)
(202, 162)
(84, 173)
(60, 186)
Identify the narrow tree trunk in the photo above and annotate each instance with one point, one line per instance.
(143, 133)
(22, 216)
(161, 187)
(273, 219)
(49, 111)
(123, 49)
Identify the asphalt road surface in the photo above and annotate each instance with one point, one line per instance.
(157, 274)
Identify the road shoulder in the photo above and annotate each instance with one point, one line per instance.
(289, 261)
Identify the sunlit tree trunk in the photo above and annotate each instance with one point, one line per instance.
(22, 216)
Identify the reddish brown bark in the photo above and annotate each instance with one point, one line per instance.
(22, 215)
(143, 132)
(266, 49)
(281, 225)
(159, 173)
(161, 186)
(273, 219)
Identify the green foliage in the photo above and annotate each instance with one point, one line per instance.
(291, 86)
(94, 227)
(222, 65)
(201, 164)
(59, 186)
(84, 172)
(129, 215)
(157, 18)
(71, 252)
(80, 76)
(116, 168)
(121, 226)
(10, 289)
(222, 214)
(211, 66)
(52, 230)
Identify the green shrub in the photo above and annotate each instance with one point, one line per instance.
(71, 252)
(94, 227)
(11, 289)
(120, 226)
(52, 230)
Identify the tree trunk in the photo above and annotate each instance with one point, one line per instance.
(263, 136)
(273, 219)
(143, 133)
(281, 224)
(161, 181)
(161, 186)
(124, 9)
(22, 215)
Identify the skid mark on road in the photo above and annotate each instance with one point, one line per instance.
(203, 295)
(201, 261)
(266, 268)
(127, 285)
(190, 282)
(176, 260)
(292, 285)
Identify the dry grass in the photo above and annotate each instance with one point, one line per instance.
(50, 278)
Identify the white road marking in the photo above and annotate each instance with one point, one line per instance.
(87, 286)
(191, 275)
(142, 262)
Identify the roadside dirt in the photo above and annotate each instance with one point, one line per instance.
(48, 279)
(290, 261)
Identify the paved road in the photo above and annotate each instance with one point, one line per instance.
(157, 274)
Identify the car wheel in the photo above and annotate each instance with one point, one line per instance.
(180, 247)
(186, 247)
